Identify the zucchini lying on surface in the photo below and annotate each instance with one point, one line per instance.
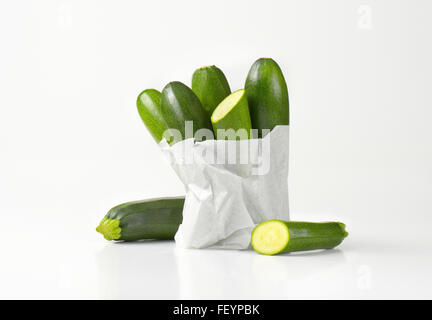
(276, 236)
(146, 219)
(267, 95)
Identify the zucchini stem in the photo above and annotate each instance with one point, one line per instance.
(343, 226)
(110, 228)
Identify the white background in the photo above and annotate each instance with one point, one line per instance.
(72, 144)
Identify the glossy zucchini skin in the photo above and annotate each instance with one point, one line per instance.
(267, 95)
(211, 87)
(314, 235)
(145, 219)
(180, 104)
(296, 236)
(149, 109)
(237, 118)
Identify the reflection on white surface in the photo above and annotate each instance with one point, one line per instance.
(140, 270)
(213, 274)
(311, 270)
(362, 267)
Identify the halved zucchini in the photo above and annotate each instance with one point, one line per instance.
(277, 236)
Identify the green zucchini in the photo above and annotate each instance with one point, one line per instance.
(276, 236)
(149, 108)
(145, 219)
(231, 119)
(267, 95)
(211, 87)
(180, 104)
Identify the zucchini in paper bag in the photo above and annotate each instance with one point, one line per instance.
(267, 95)
(211, 87)
(232, 115)
(149, 109)
(180, 104)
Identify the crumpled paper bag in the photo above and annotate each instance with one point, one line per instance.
(231, 186)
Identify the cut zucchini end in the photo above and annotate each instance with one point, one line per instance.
(270, 237)
(110, 229)
(227, 105)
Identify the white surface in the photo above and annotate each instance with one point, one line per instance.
(366, 265)
(72, 144)
(230, 186)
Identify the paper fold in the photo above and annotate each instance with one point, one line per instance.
(230, 187)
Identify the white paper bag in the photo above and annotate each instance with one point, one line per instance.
(230, 187)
